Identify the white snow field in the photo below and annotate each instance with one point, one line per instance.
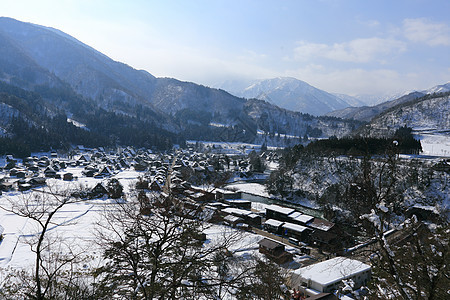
(435, 144)
(75, 225)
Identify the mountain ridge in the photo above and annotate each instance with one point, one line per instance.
(367, 113)
(71, 79)
(292, 94)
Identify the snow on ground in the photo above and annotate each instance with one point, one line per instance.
(251, 188)
(77, 124)
(230, 148)
(272, 165)
(435, 144)
(75, 224)
(245, 243)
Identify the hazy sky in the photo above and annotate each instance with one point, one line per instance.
(345, 46)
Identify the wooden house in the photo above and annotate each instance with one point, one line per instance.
(274, 251)
(297, 231)
(273, 226)
(278, 212)
(68, 177)
(98, 191)
(50, 172)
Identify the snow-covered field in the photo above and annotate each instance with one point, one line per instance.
(75, 225)
(251, 188)
(435, 144)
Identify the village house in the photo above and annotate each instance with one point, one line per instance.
(325, 234)
(239, 203)
(273, 226)
(37, 181)
(68, 177)
(296, 231)
(50, 172)
(327, 276)
(232, 221)
(274, 251)
(247, 216)
(299, 218)
(98, 191)
(278, 212)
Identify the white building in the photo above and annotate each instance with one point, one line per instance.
(327, 276)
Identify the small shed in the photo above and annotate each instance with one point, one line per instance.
(68, 177)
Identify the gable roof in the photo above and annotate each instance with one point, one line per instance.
(269, 244)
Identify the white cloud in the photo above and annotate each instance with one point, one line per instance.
(423, 31)
(358, 50)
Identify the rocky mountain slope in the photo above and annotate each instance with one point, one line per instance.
(430, 112)
(68, 78)
(292, 94)
(366, 113)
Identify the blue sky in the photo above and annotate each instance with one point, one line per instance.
(344, 46)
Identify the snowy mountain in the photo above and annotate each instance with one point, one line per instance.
(430, 112)
(46, 68)
(443, 88)
(352, 101)
(366, 113)
(292, 94)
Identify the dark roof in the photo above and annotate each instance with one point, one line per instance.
(321, 224)
(269, 244)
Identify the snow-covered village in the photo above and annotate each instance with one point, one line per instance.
(83, 202)
(273, 150)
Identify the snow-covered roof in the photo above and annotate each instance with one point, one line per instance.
(237, 201)
(332, 270)
(231, 218)
(295, 214)
(253, 216)
(280, 209)
(304, 218)
(273, 222)
(236, 211)
(294, 227)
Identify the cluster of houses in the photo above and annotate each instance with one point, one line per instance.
(176, 176)
(284, 221)
(173, 174)
(184, 165)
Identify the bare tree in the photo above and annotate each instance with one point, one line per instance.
(160, 254)
(266, 281)
(414, 246)
(53, 254)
